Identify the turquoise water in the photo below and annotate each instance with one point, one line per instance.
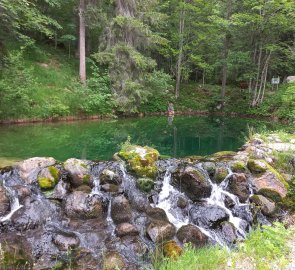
(99, 140)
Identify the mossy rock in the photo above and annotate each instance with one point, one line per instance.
(238, 166)
(220, 174)
(171, 249)
(48, 178)
(257, 166)
(145, 184)
(222, 155)
(141, 160)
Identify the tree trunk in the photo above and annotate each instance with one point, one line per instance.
(82, 49)
(224, 67)
(257, 77)
(180, 55)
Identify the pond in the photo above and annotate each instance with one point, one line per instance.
(99, 140)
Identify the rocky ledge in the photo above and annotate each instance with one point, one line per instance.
(113, 214)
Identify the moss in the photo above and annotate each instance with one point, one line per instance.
(86, 179)
(277, 174)
(238, 166)
(145, 184)
(172, 250)
(271, 194)
(46, 183)
(223, 155)
(54, 173)
(257, 166)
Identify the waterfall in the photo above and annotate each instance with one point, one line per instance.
(96, 188)
(109, 219)
(14, 202)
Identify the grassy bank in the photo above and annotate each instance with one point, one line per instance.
(42, 82)
(265, 248)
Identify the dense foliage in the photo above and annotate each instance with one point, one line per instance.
(144, 49)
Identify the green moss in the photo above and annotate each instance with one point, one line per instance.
(271, 194)
(257, 166)
(223, 155)
(220, 174)
(238, 166)
(277, 174)
(54, 173)
(86, 179)
(145, 184)
(46, 183)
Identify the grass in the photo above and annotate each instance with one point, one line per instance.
(265, 248)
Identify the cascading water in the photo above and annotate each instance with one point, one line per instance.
(13, 198)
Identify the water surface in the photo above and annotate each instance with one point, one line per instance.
(178, 137)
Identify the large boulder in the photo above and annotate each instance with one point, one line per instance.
(192, 182)
(238, 185)
(208, 216)
(121, 210)
(290, 79)
(228, 232)
(109, 177)
(113, 260)
(160, 232)
(125, 229)
(221, 173)
(4, 201)
(192, 234)
(81, 205)
(141, 160)
(257, 166)
(271, 186)
(29, 168)
(267, 206)
(66, 242)
(79, 171)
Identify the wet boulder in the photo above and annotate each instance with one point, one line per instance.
(159, 231)
(48, 177)
(192, 234)
(267, 206)
(221, 173)
(81, 205)
(60, 191)
(271, 185)
(79, 171)
(238, 185)
(157, 214)
(110, 177)
(66, 242)
(145, 184)
(208, 216)
(192, 182)
(228, 232)
(238, 166)
(29, 169)
(125, 229)
(141, 160)
(121, 210)
(4, 201)
(182, 202)
(113, 260)
(210, 167)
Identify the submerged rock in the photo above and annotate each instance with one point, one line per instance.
(79, 171)
(208, 216)
(192, 234)
(80, 205)
(192, 182)
(238, 185)
(29, 169)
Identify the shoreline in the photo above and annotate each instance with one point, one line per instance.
(23, 121)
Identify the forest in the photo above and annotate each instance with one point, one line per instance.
(60, 58)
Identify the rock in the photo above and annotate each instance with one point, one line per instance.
(157, 214)
(60, 191)
(66, 242)
(145, 184)
(171, 249)
(160, 232)
(141, 160)
(110, 188)
(121, 210)
(182, 202)
(257, 166)
(22, 192)
(84, 259)
(210, 168)
(192, 234)
(84, 188)
(238, 166)
(192, 182)
(124, 229)
(220, 174)
(4, 202)
(267, 206)
(270, 186)
(80, 205)
(109, 177)
(228, 231)
(223, 155)
(79, 171)
(29, 169)
(208, 216)
(113, 261)
(48, 177)
(238, 185)
(290, 79)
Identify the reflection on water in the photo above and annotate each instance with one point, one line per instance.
(177, 137)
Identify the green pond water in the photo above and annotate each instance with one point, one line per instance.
(99, 140)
